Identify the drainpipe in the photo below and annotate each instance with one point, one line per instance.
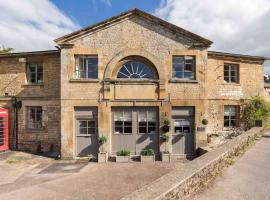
(16, 105)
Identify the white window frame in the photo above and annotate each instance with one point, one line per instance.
(231, 68)
(36, 73)
(78, 74)
(234, 114)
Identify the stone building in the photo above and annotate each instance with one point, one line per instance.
(123, 78)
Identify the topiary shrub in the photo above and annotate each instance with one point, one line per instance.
(102, 140)
(205, 121)
(123, 152)
(164, 138)
(147, 152)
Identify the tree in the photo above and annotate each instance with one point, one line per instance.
(255, 109)
(4, 50)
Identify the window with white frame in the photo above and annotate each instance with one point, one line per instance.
(86, 67)
(35, 73)
(231, 73)
(123, 122)
(147, 122)
(183, 67)
(230, 116)
(34, 117)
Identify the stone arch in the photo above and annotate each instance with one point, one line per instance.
(112, 67)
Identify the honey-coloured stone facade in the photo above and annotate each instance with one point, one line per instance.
(131, 35)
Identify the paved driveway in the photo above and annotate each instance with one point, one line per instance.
(47, 179)
(247, 179)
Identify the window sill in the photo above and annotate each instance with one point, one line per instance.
(132, 80)
(37, 130)
(84, 80)
(33, 85)
(236, 84)
(182, 81)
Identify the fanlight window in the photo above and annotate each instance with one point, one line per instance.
(135, 70)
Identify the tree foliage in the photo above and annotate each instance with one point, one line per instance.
(4, 50)
(255, 109)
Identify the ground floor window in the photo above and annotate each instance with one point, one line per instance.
(230, 116)
(34, 117)
(123, 122)
(86, 126)
(147, 121)
(86, 121)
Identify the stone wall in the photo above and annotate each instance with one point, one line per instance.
(14, 84)
(187, 179)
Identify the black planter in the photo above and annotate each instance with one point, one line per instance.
(165, 128)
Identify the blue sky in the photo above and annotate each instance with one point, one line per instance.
(88, 12)
(234, 26)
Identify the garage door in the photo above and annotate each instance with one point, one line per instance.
(135, 129)
(183, 131)
(86, 132)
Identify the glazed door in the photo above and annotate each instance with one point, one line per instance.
(134, 129)
(183, 133)
(86, 133)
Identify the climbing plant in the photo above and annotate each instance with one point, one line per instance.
(254, 109)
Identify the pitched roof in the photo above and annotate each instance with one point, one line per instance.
(239, 57)
(30, 53)
(198, 40)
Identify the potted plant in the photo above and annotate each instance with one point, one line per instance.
(165, 155)
(166, 125)
(147, 155)
(123, 155)
(205, 121)
(102, 155)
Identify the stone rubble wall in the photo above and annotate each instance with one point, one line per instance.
(184, 181)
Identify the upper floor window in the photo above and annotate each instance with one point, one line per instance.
(35, 73)
(135, 70)
(230, 116)
(184, 67)
(231, 73)
(86, 67)
(34, 117)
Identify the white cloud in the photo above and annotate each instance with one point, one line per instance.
(107, 2)
(28, 25)
(233, 26)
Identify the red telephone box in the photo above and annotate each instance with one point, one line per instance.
(3, 129)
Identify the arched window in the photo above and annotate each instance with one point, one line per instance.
(135, 70)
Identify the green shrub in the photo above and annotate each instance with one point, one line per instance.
(166, 122)
(123, 152)
(205, 121)
(164, 138)
(102, 140)
(254, 109)
(147, 152)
